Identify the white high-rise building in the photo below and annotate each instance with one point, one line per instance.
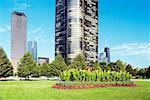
(76, 29)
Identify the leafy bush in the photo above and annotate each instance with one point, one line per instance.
(93, 76)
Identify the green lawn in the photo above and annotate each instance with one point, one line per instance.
(41, 90)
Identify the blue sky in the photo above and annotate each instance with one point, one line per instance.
(124, 26)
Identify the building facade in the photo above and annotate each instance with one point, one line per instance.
(32, 48)
(76, 29)
(102, 57)
(107, 51)
(18, 37)
(42, 60)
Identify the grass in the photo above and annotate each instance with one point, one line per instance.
(41, 90)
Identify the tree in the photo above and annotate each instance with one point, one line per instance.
(6, 68)
(36, 71)
(103, 65)
(141, 72)
(147, 73)
(113, 67)
(134, 72)
(121, 65)
(44, 69)
(78, 62)
(129, 68)
(27, 66)
(57, 66)
(96, 66)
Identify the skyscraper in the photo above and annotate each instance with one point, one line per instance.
(18, 37)
(76, 29)
(107, 51)
(32, 48)
(102, 57)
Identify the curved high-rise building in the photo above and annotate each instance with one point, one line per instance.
(76, 29)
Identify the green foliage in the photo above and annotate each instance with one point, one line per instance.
(103, 65)
(36, 71)
(141, 72)
(78, 62)
(57, 66)
(147, 73)
(44, 69)
(6, 68)
(131, 70)
(121, 65)
(96, 75)
(113, 67)
(27, 66)
(96, 66)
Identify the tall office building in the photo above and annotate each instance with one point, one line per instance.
(107, 51)
(18, 37)
(102, 57)
(76, 29)
(32, 48)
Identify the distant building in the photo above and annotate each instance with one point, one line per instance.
(107, 51)
(32, 48)
(102, 57)
(42, 60)
(76, 29)
(18, 37)
(105, 56)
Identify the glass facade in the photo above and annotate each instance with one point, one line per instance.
(32, 48)
(107, 51)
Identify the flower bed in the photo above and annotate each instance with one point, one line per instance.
(86, 85)
(80, 79)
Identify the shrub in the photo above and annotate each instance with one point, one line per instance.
(93, 76)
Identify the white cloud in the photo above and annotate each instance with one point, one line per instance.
(35, 31)
(5, 29)
(140, 49)
(37, 38)
(21, 5)
(45, 41)
(40, 35)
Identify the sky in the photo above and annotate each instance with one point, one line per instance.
(124, 27)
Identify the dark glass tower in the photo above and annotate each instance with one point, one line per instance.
(107, 51)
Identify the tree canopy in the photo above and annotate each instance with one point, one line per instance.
(78, 62)
(27, 66)
(6, 68)
(57, 66)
